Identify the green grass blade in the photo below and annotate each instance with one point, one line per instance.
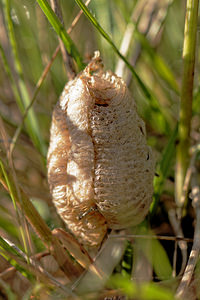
(158, 63)
(59, 29)
(11, 78)
(23, 101)
(161, 265)
(15, 257)
(151, 291)
(147, 291)
(8, 248)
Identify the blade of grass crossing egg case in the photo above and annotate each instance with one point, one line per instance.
(58, 27)
(94, 21)
(102, 12)
(31, 122)
(148, 94)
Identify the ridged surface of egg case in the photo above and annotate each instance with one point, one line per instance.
(100, 169)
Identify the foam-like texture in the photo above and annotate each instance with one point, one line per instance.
(100, 169)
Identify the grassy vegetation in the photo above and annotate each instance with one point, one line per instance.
(144, 42)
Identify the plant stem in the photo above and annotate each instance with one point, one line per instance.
(185, 114)
(59, 29)
(67, 59)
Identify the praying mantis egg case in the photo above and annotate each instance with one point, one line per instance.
(100, 169)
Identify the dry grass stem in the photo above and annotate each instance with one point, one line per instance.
(194, 254)
(175, 215)
(105, 261)
(156, 237)
(34, 266)
(175, 223)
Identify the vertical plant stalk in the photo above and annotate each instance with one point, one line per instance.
(185, 114)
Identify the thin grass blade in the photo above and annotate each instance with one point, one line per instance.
(61, 32)
(158, 63)
(7, 247)
(22, 98)
(151, 247)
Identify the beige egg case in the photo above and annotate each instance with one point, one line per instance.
(100, 168)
